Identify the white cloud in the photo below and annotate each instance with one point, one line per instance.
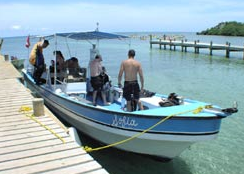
(16, 27)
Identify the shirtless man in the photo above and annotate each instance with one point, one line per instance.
(96, 81)
(131, 68)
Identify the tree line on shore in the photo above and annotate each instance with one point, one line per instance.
(232, 28)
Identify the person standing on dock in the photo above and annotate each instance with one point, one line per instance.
(37, 60)
(131, 91)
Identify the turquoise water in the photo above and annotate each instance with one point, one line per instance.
(214, 79)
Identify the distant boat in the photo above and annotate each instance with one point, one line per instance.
(159, 130)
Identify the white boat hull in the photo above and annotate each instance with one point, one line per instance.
(161, 145)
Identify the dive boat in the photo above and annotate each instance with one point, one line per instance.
(159, 130)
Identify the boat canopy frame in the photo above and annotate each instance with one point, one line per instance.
(89, 35)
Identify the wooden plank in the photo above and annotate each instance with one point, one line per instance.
(9, 71)
(84, 164)
(64, 148)
(15, 99)
(48, 159)
(88, 168)
(35, 145)
(14, 123)
(13, 140)
(30, 140)
(28, 128)
(14, 105)
(13, 119)
(9, 113)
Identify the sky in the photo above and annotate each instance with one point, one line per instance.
(21, 18)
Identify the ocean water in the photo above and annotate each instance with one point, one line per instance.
(213, 79)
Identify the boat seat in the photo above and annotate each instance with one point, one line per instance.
(151, 102)
(76, 88)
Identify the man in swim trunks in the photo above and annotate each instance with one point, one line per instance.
(96, 81)
(131, 90)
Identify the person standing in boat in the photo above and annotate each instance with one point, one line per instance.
(131, 91)
(96, 81)
(59, 60)
(38, 58)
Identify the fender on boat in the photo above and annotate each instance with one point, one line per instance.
(74, 135)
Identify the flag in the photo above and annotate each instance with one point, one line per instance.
(27, 44)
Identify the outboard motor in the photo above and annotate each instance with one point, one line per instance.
(231, 110)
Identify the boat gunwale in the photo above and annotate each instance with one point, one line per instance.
(136, 130)
(136, 114)
(123, 113)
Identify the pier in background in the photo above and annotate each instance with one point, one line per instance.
(196, 45)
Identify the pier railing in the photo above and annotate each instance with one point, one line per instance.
(196, 45)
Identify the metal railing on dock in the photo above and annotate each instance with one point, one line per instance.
(197, 45)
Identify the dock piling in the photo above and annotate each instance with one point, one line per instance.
(170, 44)
(195, 47)
(185, 46)
(182, 47)
(211, 48)
(38, 107)
(150, 41)
(6, 58)
(227, 49)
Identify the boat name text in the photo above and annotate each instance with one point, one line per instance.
(124, 122)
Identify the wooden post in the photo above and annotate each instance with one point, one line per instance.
(38, 106)
(210, 48)
(195, 46)
(198, 47)
(227, 50)
(185, 46)
(170, 44)
(174, 46)
(243, 52)
(160, 46)
(182, 47)
(150, 41)
(6, 58)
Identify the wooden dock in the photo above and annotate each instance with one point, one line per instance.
(197, 45)
(27, 146)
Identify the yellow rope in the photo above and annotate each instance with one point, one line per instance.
(25, 109)
(199, 109)
(195, 111)
(46, 127)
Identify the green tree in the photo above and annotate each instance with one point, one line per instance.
(232, 28)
